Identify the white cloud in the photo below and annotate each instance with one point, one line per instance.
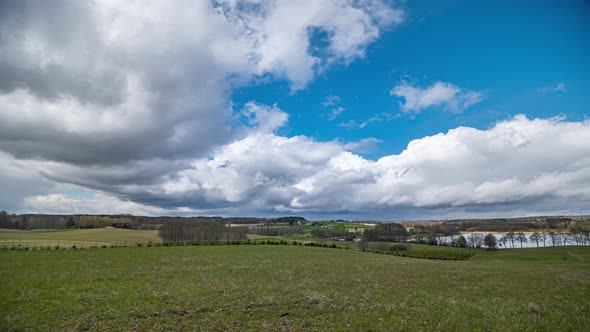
(264, 118)
(123, 94)
(280, 32)
(519, 166)
(156, 74)
(131, 101)
(331, 100)
(365, 145)
(98, 203)
(380, 117)
(336, 112)
(353, 124)
(516, 165)
(439, 94)
(558, 87)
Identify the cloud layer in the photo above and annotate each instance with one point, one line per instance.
(131, 101)
(439, 94)
(117, 82)
(113, 94)
(516, 166)
(516, 160)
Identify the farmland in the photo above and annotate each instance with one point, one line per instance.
(78, 237)
(259, 287)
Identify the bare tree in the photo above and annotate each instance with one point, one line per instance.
(554, 238)
(503, 241)
(475, 240)
(579, 235)
(522, 238)
(564, 238)
(544, 237)
(536, 237)
(185, 231)
(510, 237)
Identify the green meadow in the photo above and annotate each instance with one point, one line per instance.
(286, 287)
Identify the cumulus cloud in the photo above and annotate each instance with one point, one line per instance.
(283, 32)
(132, 102)
(439, 94)
(118, 94)
(117, 81)
(105, 83)
(264, 118)
(516, 164)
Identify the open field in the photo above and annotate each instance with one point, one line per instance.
(292, 288)
(79, 237)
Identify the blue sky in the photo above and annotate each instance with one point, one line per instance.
(373, 109)
(511, 50)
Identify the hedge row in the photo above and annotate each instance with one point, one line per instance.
(434, 254)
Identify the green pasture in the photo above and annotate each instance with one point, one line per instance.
(282, 288)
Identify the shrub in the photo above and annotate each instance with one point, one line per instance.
(399, 247)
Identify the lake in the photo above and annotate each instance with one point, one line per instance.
(526, 241)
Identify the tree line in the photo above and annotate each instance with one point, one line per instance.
(53, 221)
(537, 223)
(450, 234)
(271, 230)
(207, 232)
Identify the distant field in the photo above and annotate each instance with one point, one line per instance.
(292, 288)
(340, 226)
(80, 237)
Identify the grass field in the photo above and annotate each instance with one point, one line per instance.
(79, 237)
(292, 288)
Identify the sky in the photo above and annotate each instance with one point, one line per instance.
(326, 109)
